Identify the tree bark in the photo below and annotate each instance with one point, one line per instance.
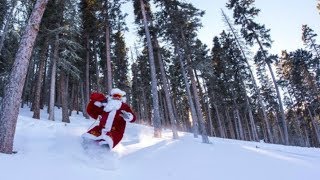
(98, 88)
(212, 130)
(154, 90)
(37, 96)
(13, 90)
(283, 118)
(204, 134)
(282, 115)
(191, 103)
(221, 126)
(108, 55)
(230, 124)
(53, 78)
(83, 101)
(64, 94)
(72, 99)
(256, 88)
(252, 123)
(166, 92)
(315, 126)
(87, 80)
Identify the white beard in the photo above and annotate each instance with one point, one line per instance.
(112, 104)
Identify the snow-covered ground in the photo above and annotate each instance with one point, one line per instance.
(52, 150)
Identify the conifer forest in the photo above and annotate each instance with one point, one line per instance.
(55, 53)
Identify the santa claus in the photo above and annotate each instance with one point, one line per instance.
(113, 112)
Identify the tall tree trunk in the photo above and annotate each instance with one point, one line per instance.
(83, 101)
(37, 96)
(212, 130)
(48, 76)
(154, 91)
(145, 107)
(44, 90)
(221, 126)
(252, 123)
(282, 115)
(166, 92)
(108, 55)
(72, 99)
(53, 78)
(283, 118)
(315, 126)
(13, 90)
(297, 126)
(230, 124)
(256, 88)
(87, 75)
(78, 95)
(279, 138)
(138, 111)
(248, 136)
(204, 134)
(239, 124)
(29, 79)
(306, 135)
(236, 125)
(202, 104)
(237, 119)
(97, 68)
(191, 103)
(64, 94)
(162, 110)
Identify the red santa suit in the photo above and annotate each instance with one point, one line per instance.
(114, 112)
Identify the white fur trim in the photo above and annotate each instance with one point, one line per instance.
(107, 140)
(90, 136)
(97, 103)
(120, 92)
(110, 120)
(117, 91)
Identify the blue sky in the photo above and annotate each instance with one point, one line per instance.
(283, 17)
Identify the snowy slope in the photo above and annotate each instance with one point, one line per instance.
(52, 151)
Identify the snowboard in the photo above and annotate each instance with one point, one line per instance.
(99, 156)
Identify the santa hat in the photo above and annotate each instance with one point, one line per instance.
(118, 94)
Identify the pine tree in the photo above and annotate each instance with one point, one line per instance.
(141, 89)
(165, 86)
(89, 22)
(13, 90)
(143, 12)
(301, 85)
(8, 18)
(308, 38)
(120, 63)
(110, 21)
(40, 77)
(244, 14)
(179, 22)
(268, 94)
